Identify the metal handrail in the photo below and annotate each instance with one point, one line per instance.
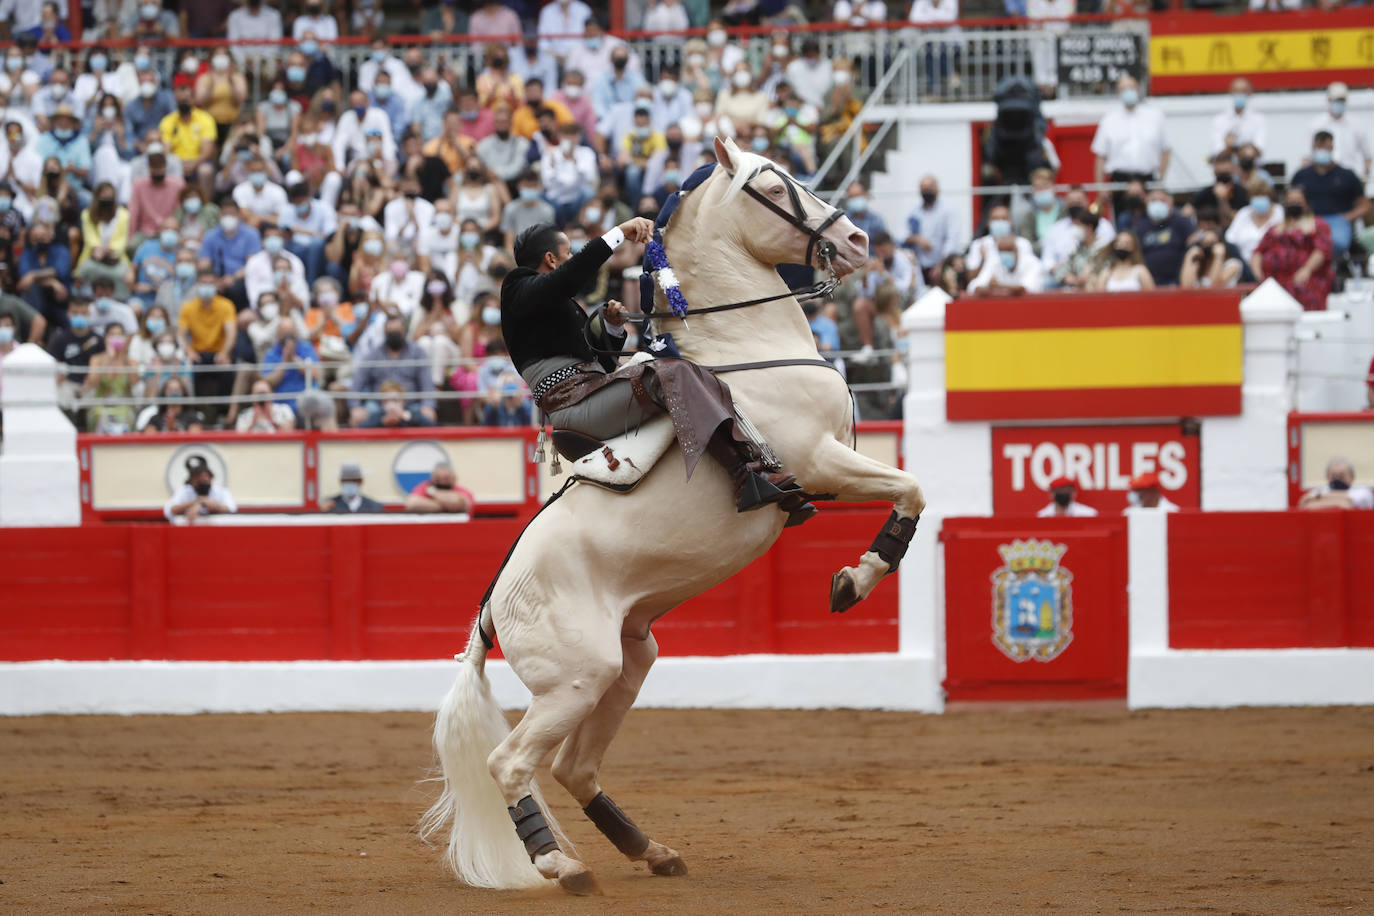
(853, 132)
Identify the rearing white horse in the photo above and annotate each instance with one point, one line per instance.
(575, 602)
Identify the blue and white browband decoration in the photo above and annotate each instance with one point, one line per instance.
(656, 262)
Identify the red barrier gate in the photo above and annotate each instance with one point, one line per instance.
(1035, 608)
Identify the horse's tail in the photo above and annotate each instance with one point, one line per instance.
(483, 849)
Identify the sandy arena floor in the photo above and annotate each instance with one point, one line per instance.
(982, 810)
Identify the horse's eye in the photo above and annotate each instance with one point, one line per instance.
(777, 192)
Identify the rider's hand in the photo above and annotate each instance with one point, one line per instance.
(638, 229)
(615, 313)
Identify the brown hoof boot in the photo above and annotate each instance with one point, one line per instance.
(843, 594)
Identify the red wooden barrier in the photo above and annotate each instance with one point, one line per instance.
(1265, 580)
(385, 592)
(1074, 644)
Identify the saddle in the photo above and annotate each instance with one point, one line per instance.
(617, 464)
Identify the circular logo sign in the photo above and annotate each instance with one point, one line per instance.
(414, 463)
(175, 473)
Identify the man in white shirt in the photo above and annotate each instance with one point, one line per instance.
(361, 131)
(671, 100)
(253, 20)
(984, 247)
(1239, 124)
(569, 173)
(1146, 495)
(1131, 142)
(199, 496)
(57, 92)
(315, 19)
(1063, 492)
(1061, 241)
(1340, 482)
(258, 198)
(438, 247)
(259, 272)
(562, 17)
(310, 222)
(810, 75)
(592, 56)
(402, 83)
(1011, 272)
(407, 217)
(397, 286)
(1351, 144)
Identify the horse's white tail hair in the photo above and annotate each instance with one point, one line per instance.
(483, 849)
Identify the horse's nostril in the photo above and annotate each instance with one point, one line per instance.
(858, 239)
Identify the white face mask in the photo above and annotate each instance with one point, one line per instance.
(843, 77)
(573, 91)
(443, 221)
(667, 87)
(269, 311)
(741, 79)
(166, 350)
(220, 62)
(716, 38)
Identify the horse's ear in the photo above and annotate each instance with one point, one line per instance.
(725, 155)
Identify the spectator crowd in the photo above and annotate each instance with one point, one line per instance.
(330, 253)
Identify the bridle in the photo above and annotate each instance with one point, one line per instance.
(796, 217)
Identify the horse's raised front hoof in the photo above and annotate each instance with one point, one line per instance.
(844, 593)
(664, 862)
(580, 883)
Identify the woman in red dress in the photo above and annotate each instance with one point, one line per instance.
(1297, 253)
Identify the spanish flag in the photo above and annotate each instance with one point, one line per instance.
(1167, 353)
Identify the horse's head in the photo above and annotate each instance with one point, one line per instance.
(781, 221)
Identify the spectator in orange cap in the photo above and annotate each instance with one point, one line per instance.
(1064, 493)
(1146, 494)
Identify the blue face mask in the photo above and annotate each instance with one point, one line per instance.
(379, 55)
(529, 193)
(63, 133)
(277, 97)
(245, 155)
(577, 245)
(469, 240)
(99, 62)
(205, 291)
(191, 205)
(295, 73)
(14, 64)
(5, 204)
(6, 335)
(999, 228)
(1130, 97)
(1157, 210)
(858, 204)
(142, 62)
(272, 244)
(593, 43)
(257, 179)
(382, 91)
(1321, 157)
(1043, 199)
(185, 270)
(759, 144)
(672, 177)
(1008, 259)
(168, 238)
(1261, 205)
(350, 489)
(1337, 107)
(310, 48)
(80, 322)
(155, 326)
(1240, 100)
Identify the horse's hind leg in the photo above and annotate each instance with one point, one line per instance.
(578, 761)
(834, 468)
(573, 689)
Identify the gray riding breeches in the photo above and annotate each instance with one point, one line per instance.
(609, 412)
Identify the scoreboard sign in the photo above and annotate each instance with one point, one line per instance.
(1101, 460)
(1088, 62)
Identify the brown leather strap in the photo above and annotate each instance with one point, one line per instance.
(770, 364)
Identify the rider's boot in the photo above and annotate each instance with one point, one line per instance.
(755, 486)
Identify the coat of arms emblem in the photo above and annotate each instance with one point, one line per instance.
(1032, 601)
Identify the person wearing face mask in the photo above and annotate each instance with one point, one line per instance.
(1077, 269)
(57, 92)
(1064, 501)
(45, 275)
(254, 19)
(399, 287)
(1131, 143)
(529, 208)
(436, 328)
(259, 274)
(741, 101)
(228, 247)
(76, 343)
(282, 368)
(574, 98)
(111, 376)
(811, 75)
(932, 230)
(984, 246)
(438, 245)
(493, 19)
(531, 60)
(195, 217)
(1224, 194)
(65, 143)
(153, 199)
(152, 324)
(503, 152)
(399, 361)
(475, 123)
(860, 212)
(150, 104)
(1010, 272)
(105, 239)
(1334, 193)
(620, 83)
(221, 91)
(107, 311)
(525, 118)
(570, 173)
(1251, 222)
(309, 223)
(1248, 168)
(147, 21)
(637, 145)
(427, 111)
(406, 217)
(20, 164)
(315, 22)
(678, 151)
(1239, 124)
(1164, 235)
(190, 133)
(1340, 490)
(180, 286)
(1298, 253)
(1350, 145)
(1035, 224)
(562, 17)
(354, 127)
(208, 329)
(553, 344)
(259, 198)
(1126, 271)
(351, 500)
(199, 496)
(496, 84)
(385, 97)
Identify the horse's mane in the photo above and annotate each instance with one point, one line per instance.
(749, 165)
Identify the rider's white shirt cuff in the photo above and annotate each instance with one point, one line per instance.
(614, 238)
(611, 329)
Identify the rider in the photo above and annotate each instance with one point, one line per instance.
(566, 357)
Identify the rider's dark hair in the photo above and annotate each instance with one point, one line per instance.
(535, 242)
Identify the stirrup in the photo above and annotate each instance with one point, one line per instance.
(758, 490)
(802, 514)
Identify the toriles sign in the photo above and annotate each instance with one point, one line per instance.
(1101, 460)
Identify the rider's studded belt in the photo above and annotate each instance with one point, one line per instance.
(546, 384)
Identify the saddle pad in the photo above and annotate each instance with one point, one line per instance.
(621, 463)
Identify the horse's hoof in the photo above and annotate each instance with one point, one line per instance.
(843, 593)
(580, 883)
(670, 868)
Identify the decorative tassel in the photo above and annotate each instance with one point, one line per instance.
(539, 456)
(555, 467)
